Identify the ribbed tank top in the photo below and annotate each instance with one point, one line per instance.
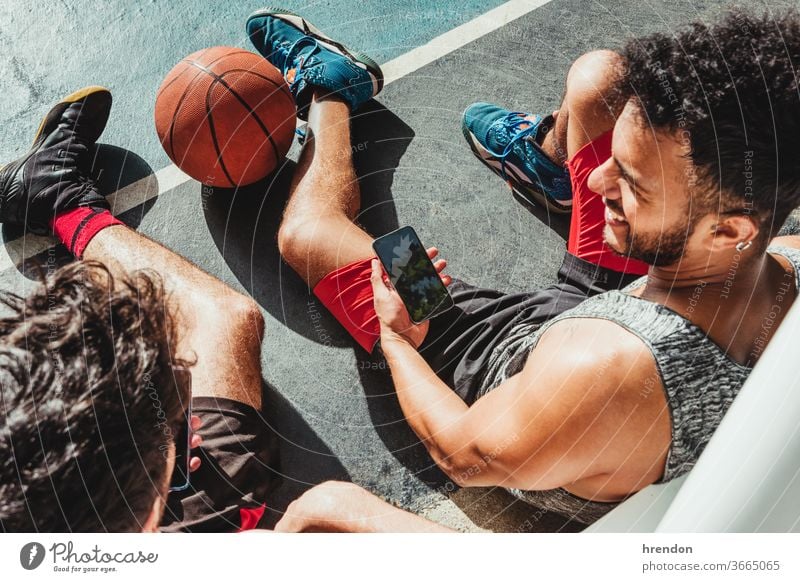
(699, 379)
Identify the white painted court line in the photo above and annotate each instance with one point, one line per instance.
(460, 36)
(19, 250)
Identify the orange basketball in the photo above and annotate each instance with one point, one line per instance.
(225, 116)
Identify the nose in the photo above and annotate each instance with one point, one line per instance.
(603, 180)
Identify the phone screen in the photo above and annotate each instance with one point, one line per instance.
(412, 273)
(180, 475)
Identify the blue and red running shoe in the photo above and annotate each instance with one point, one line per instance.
(508, 142)
(308, 58)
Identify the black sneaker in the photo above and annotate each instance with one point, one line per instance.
(54, 175)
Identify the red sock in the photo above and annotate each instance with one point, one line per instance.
(76, 227)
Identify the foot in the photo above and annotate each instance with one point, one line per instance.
(308, 59)
(509, 143)
(54, 175)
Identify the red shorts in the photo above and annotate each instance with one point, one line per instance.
(588, 212)
(347, 292)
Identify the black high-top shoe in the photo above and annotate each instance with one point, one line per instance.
(54, 175)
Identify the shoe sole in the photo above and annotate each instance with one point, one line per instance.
(55, 113)
(58, 109)
(309, 29)
(529, 195)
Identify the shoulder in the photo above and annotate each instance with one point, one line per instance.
(791, 242)
(591, 341)
(599, 387)
(576, 353)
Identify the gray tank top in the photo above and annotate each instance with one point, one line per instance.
(699, 379)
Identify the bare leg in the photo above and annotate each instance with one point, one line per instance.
(317, 234)
(590, 106)
(219, 327)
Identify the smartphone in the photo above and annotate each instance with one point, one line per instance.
(412, 274)
(183, 439)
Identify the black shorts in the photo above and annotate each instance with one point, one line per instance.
(229, 492)
(461, 340)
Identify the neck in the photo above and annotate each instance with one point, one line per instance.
(733, 271)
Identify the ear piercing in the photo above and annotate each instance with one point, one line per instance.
(742, 246)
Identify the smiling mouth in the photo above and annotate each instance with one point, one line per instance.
(613, 218)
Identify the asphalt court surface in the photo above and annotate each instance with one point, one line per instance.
(332, 405)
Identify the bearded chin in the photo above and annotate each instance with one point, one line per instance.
(660, 250)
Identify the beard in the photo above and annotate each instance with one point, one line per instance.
(659, 249)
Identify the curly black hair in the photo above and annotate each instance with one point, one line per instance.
(88, 401)
(730, 90)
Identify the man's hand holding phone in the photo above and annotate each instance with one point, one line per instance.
(395, 321)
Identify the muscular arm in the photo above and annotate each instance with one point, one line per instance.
(569, 415)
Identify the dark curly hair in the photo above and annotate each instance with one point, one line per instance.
(730, 91)
(88, 401)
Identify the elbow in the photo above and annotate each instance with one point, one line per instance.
(464, 466)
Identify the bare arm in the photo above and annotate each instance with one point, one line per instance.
(344, 507)
(571, 414)
(567, 416)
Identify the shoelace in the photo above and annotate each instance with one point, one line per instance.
(512, 122)
(86, 182)
(287, 51)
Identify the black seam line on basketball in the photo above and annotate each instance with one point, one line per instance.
(191, 84)
(164, 88)
(178, 108)
(280, 86)
(244, 104)
(247, 108)
(81, 226)
(213, 131)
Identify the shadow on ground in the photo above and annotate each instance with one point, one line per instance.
(244, 223)
(495, 509)
(390, 423)
(304, 460)
(558, 223)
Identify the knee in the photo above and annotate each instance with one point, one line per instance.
(593, 82)
(241, 319)
(296, 239)
(247, 315)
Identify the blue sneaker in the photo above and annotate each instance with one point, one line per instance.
(508, 142)
(308, 58)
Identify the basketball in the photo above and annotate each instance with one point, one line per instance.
(225, 116)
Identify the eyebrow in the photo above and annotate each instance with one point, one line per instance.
(628, 178)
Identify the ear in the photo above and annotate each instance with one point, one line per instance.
(729, 230)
